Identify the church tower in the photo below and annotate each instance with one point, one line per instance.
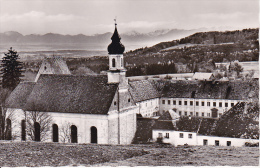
(116, 73)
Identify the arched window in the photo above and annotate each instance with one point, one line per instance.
(74, 132)
(55, 133)
(113, 62)
(37, 132)
(23, 132)
(93, 133)
(8, 129)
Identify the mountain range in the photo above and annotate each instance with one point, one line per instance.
(129, 39)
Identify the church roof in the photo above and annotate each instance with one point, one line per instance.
(116, 47)
(232, 90)
(70, 94)
(18, 97)
(143, 90)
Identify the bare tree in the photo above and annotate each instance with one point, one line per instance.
(65, 133)
(43, 119)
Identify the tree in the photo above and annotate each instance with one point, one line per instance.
(38, 125)
(65, 132)
(11, 70)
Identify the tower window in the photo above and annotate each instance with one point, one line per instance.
(113, 62)
(121, 62)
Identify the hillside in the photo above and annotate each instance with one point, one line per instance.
(201, 50)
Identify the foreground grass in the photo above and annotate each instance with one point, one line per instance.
(55, 154)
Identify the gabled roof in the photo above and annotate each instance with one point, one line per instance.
(164, 125)
(202, 76)
(18, 97)
(71, 94)
(143, 90)
(169, 115)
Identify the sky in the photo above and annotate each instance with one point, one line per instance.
(91, 17)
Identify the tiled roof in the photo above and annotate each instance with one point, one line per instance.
(18, 97)
(169, 115)
(235, 90)
(163, 125)
(68, 93)
(143, 90)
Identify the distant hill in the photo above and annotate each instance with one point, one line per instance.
(128, 39)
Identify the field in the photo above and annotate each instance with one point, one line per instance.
(20, 154)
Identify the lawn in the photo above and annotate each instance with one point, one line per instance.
(57, 154)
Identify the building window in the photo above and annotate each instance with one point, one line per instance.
(208, 114)
(197, 114)
(191, 103)
(113, 62)
(197, 103)
(181, 135)
(190, 136)
(185, 113)
(174, 102)
(185, 102)
(114, 102)
(202, 114)
(179, 102)
(228, 143)
(216, 142)
(169, 101)
(214, 104)
(208, 103)
(220, 104)
(226, 104)
(232, 104)
(180, 113)
(128, 100)
(167, 135)
(160, 135)
(163, 101)
(191, 113)
(202, 103)
(205, 142)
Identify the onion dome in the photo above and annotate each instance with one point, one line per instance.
(115, 47)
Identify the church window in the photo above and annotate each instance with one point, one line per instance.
(93, 134)
(37, 133)
(113, 62)
(74, 134)
(23, 126)
(181, 135)
(190, 136)
(8, 129)
(55, 133)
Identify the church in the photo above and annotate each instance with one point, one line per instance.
(60, 107)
